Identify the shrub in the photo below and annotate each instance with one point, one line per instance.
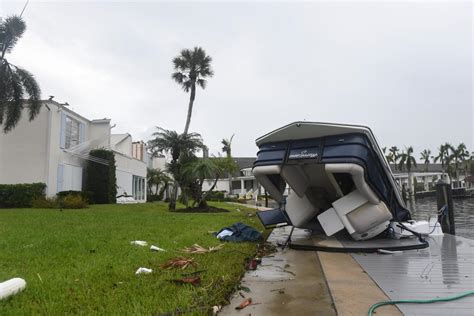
(215, 196)
(20, 195)
(85, 195)
(153, 197)
(101, 179)
(44, 202)
(73, 201)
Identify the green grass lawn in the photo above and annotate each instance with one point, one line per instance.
(82, 262)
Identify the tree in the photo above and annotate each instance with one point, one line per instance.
(458, 157)
(209, 168)
(101, 178)
(16, 83)
(226, 146)
(181, 147)
(191, 68)
(393, 155)
(425, 157)
(443, 155)
(407, 160)
(155, 178)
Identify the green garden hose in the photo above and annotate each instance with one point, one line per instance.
(434, 300)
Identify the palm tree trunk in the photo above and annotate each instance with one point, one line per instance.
(202, 201)
(411, 190)
(174, 196)
(190, 107)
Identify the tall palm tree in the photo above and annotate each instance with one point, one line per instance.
(180, 146)
(408, 160)
(191, 68)
(227, 146)
(425, 157)
(16, 83)
(443, 155)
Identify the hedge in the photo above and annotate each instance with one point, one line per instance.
(101, 179)
(85, 195)
(20, 195)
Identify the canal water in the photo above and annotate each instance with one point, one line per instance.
(423, 208)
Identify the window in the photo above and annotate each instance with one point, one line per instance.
(138, 188)
(72, 132)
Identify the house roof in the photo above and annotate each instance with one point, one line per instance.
(420, 167)
(116, 139)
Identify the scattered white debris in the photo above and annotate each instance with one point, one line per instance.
(126, 200)
(156, 248)
(11, 287)
(143, 271)
(225, 233)
(216, 309)
(139, 243)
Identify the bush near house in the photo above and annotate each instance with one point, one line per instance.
(101, 179)
(20, 195)
(85, 195)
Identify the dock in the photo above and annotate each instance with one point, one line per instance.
(293, 282)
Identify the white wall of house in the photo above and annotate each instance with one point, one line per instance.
(48, 150)
(126, 169)
(222, 185)
(23, 150)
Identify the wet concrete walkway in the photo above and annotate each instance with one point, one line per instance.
(295, 282)
(288, 282)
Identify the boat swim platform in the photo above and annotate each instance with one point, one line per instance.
(356, 281)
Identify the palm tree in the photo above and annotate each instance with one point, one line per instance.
(408, 160)
(16, 83)
(393, 155)
(458, 157)
(443, 155)
(227, 146)
(180, 146)
(191, 68)
(425, 157)
(210, 168)
(155, 178)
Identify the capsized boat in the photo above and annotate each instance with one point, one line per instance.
(331, 177)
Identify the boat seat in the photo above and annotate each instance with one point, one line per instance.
(296, 178)
(357, 173)
(269, 177)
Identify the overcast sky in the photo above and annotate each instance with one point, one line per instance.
(402, 68)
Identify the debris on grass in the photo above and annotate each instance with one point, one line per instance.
(156, 248)
(199, 249)
(179, 262)
(193, 273)
(216, 309)
(244, 303)
(141, 243)
(190, 280)
(143, 271)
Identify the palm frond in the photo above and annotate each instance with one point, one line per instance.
(32, 89)
(11, 30)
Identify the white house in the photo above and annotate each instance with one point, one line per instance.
(54, 149)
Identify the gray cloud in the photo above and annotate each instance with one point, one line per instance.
(403, 68)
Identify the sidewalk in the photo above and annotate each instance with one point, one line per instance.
(288, 282)
(295, 282)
